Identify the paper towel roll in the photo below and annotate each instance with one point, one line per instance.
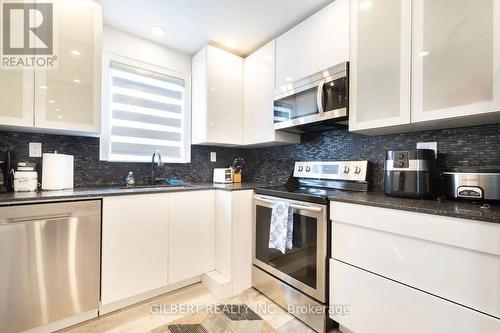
(57, 172)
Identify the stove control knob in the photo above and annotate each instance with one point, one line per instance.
(346, 169)
(308, 168)
(357, 170)
(301, 168)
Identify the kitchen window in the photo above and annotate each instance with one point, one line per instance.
(145, 108)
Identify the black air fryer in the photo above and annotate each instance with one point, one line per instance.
(409, 173)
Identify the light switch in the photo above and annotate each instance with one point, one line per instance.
(213, 157)
(35, 149)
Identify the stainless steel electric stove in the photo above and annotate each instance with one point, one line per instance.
(297, 279)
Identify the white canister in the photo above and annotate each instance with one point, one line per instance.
(25, 181)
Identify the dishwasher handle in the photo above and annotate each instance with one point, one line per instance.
(12, 220)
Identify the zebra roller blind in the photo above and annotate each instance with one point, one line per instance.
(146, 114)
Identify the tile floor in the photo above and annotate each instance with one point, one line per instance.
(140, 319)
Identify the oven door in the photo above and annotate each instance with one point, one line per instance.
(304, 265)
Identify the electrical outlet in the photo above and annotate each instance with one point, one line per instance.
(35, 149)
(428, 145)
(213, 157)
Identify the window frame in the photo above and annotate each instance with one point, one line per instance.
(106, 96)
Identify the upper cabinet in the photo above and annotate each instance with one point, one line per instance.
(319, 42)
(63, 97)
(380, 64)
(68, 96)
(217, 102)
(451, 51)
(16, 96)
(259, 78)
(456, 58)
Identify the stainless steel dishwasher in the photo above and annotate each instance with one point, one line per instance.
(49, 264)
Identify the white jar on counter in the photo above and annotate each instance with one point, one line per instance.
(25, 181)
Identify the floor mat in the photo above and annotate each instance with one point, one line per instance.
(222, 318)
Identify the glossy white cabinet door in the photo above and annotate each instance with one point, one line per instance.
(379, 305)
(217, 109)
(16, 93)
(191, 234)
(319, 42)
(456, 58)
(68, 97)
(16, 97)
(259, 83)
(380, 64)
(134, 245)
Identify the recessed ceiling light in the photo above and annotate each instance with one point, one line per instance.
(76, 53)
(77, 81)
(44, 87)
(157, 31)
(289, 79)
(365, 5)
(231, 43)
(59, 116)
(423, 54)
(51, 101)
(57, 110)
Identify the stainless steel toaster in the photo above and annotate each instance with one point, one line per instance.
(473, 183)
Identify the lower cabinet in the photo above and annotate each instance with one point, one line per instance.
(379, 305)
(134, 245)
(402, 271)
(154, 243)
(191, 246)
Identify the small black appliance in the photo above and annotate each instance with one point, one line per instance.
(409, 173)
(7, 164)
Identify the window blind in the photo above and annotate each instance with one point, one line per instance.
(146, 114)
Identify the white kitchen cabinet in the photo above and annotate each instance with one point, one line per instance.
(134, 246)
(191, 234)
(433, 267)
(259, 83)
(380, 64)
(68, 97)
(456, 59)
(379, 305)
(319, 42)
(65, 98)
(16, 97)
(233, 232)
(217, 97)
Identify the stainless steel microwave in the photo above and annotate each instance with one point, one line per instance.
(314, 103)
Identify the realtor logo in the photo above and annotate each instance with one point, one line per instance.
(27, 34)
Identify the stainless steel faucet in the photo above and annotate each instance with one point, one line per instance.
(159, 163)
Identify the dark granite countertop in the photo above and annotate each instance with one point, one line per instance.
(451, 208)
(13, 198)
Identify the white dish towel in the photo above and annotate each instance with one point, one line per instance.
(281, 232)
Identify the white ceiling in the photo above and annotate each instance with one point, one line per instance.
(190, 24)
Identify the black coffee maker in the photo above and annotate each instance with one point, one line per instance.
(7, 164)
(410, 173)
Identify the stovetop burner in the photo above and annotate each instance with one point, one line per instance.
(307, 194)
(316, 181)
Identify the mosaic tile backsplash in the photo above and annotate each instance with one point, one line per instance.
(478, 145)
(470, 146)
(91, 172)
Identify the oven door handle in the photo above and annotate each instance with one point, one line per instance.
(294, 206)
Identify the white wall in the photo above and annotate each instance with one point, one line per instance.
(126, 45)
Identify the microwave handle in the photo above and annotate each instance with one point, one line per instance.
(319, 97)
